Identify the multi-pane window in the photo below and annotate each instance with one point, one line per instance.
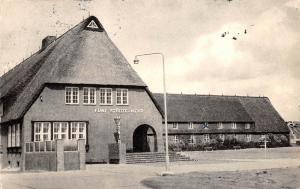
(176, 139)
(220, 125)
(222, 137)
(60, 130)
(42, 131)
(247, 126)
(9, 137)
(122, 96)
(175, 125)
(78, 130)
(89, 95)
(192, 139)
(233, 126)
(72, 95)
(191, 125)
(105, 96)
(248, 137)
(206, 138)
(13, 135)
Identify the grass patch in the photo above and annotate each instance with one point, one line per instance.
(266, 179)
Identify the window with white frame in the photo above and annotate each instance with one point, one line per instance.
(122, 96)
(13, 135)
(222, 137)
(233, 125)
(105, 96)
(18, 134)
(176, 139)
(175, 125)
(60, 130)
(42, 131)
(9, 137)
(206, 138)
(220, 125)
(191, 125)
(248, 137)
(89, 95)
(78, 130)
(247, 126)
(72, 95)
(192, 139)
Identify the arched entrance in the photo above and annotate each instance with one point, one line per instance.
(144, 139)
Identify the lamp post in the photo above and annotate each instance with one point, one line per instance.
(118, 128)
(136, 61)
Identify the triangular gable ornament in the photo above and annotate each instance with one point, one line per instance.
(92, 25)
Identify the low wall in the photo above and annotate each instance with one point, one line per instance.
(54, 157)
(40, 161)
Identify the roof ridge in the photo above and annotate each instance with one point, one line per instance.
(212, 95)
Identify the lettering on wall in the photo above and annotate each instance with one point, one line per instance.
(118, 110)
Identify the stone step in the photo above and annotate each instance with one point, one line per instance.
(153, 157)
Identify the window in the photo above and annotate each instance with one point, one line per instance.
(191, 125)
(89, 95)
(205, 125)
(248, 137)
(60, 130)
(105, 96)
(206, 138)
(72, 95)
(9, 137)
(192, 139)
(222, 137)
(220, 125)
(247, 126)
(42, 131)
(175, 139)
(18, 135)
(233, 125)
(122, 96)
(175, 125)
(13, 135)
(235, 137)
(78, 130)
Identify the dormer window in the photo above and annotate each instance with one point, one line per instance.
(205, 125)
(220, 125)
(191, 125)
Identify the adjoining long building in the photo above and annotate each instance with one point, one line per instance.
(77, 84)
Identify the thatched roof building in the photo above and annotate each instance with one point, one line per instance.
(214, 108)
(77, 57)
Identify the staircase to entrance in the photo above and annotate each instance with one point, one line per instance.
(153, 157)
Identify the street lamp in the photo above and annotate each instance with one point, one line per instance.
(118, 128)
(136, 61)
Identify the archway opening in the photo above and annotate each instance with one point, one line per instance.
(144, 139)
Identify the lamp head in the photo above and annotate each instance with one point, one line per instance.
(136, 60)
(117, 120)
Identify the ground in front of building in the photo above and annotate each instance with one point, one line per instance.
(266, 179)
(229, 169)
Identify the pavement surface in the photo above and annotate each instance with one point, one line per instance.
(130, 176)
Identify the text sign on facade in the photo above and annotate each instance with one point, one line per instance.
(118, 110)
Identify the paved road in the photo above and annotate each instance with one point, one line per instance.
(129, 176)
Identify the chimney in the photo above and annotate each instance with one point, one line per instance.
(47, 41)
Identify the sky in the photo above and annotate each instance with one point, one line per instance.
(236, 47)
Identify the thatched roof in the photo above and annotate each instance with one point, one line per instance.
(214, 108)
(80, 56)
